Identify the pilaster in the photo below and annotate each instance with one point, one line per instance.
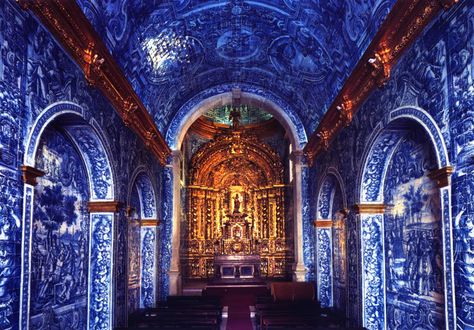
(299, 270)
(148, 262)
(442, 179)
(175, 271)
(324, 262)
(370, 219)
(29, 176)
(103, 215)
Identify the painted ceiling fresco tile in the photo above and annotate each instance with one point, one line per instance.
(301, 50)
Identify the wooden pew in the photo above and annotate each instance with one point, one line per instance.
(180, 312)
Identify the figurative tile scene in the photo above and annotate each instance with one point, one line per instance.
(60, 231)
(94, 228)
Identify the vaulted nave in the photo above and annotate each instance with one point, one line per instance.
(237, 164)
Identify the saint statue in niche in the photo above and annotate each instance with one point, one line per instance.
(237, 203)
(237, 232)
(235, 117)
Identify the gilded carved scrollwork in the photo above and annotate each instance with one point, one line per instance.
(236, 205)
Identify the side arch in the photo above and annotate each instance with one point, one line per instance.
(404, 155)
(330, 237)
(143, 242)
(146, 192)
(57, 201)
(383, 143)
(324, 192)
(88, 140)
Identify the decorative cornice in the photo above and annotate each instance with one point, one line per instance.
(29, 174)
(369, 208)
(104, 206)
(404, 23)
(66, 21)
(322, 223)
(150, 222)
(442, 176)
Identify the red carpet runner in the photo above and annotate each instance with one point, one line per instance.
(238, 299)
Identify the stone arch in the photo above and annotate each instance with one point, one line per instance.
(406, 137)
(222, 95)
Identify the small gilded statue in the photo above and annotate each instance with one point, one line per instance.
(237, 203)
(235, 117)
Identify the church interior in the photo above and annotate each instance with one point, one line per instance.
(237, 164)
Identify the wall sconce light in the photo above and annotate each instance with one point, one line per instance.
(381, 64)
(345, 111)
(324, 138)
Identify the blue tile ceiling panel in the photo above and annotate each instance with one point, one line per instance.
(300, 50)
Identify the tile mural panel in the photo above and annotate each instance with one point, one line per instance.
(60, 237)
(372, 264)
(413, 239)
(147, 197)
(148, 267)
(309, 242)
(324, 266)
(11, 192)
(100, 286)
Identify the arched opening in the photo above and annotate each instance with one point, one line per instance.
(60, 234)
(62, 264)
(248, 95)
(142, 242)
(331, 243)
(237, 196)
(402, 215)
(413, 237)
(289, 130)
